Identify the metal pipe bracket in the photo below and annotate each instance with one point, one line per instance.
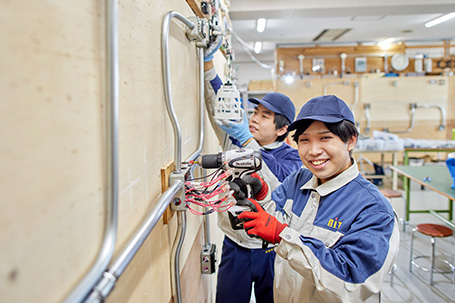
(200, 32)
(178, 204)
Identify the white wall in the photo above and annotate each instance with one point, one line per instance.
(247, 71)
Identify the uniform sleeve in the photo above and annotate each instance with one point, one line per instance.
(352, 267)
(281, 198)
(282, 166)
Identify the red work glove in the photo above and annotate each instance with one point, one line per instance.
(262, 224)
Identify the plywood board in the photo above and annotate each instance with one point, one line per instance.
(261, 86)
(193, 290)
(196, 7)
(165, 172)
(331, 56)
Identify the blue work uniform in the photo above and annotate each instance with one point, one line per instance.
(341, 242)
(281, 159)
(243, 261)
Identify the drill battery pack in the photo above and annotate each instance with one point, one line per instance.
(233, 212)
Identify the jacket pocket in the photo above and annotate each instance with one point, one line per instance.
(328, 237)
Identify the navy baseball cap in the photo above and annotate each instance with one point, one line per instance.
(329, 109)
(277, 103)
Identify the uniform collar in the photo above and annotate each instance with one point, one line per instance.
(273, 145)
(339, 181)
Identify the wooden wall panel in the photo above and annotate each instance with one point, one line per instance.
(389, 99)
(301, 90)
(332, 62)
(52, 146)
(451, 108)
(53, 153)
(193, 290)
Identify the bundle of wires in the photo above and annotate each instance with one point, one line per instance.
(214, 195)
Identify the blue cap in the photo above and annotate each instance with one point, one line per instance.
(329, 109)
(277, 103)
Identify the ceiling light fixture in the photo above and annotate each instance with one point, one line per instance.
(257, 47)
(440, 20)
(385, 44)
(288, 79)
(260, 26)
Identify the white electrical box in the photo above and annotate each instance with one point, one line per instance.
(228, 105)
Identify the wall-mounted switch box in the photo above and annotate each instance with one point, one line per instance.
(208, 259)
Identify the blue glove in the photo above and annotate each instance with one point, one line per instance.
(238, 130)
(214, 46)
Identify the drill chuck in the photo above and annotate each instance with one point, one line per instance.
(211, 161)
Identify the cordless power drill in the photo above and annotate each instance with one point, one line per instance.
(244, 162)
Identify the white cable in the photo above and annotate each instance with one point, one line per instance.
(247, 48)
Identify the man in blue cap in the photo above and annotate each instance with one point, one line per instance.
(244, 262)
(337, 236)
(268, 127)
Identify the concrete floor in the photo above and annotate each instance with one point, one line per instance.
(414, 286)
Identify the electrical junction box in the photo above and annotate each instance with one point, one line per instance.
(208, 259)
(200, 32)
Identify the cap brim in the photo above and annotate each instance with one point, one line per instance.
(265, 103)
(294, 125)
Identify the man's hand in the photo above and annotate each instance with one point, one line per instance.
(259, 187)
(239, 131)
(262, 224)
(215, 45)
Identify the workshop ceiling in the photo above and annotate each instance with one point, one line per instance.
(334, 22)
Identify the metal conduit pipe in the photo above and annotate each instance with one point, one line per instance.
(167, 80)
(442, 126)
(176, 250)
(106, 251)
(117, 267)
(412, 107)
(346, 82)
(367, 107)
(196, 154)
(356, 95)
(181, 214)
(119, 264)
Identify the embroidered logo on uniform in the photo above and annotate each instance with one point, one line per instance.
(334, 223)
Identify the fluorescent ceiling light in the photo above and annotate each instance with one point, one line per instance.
(385, 44)
(440, 20)
(260, 26)
(257, 47)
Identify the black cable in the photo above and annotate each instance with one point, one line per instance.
(205, 176)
